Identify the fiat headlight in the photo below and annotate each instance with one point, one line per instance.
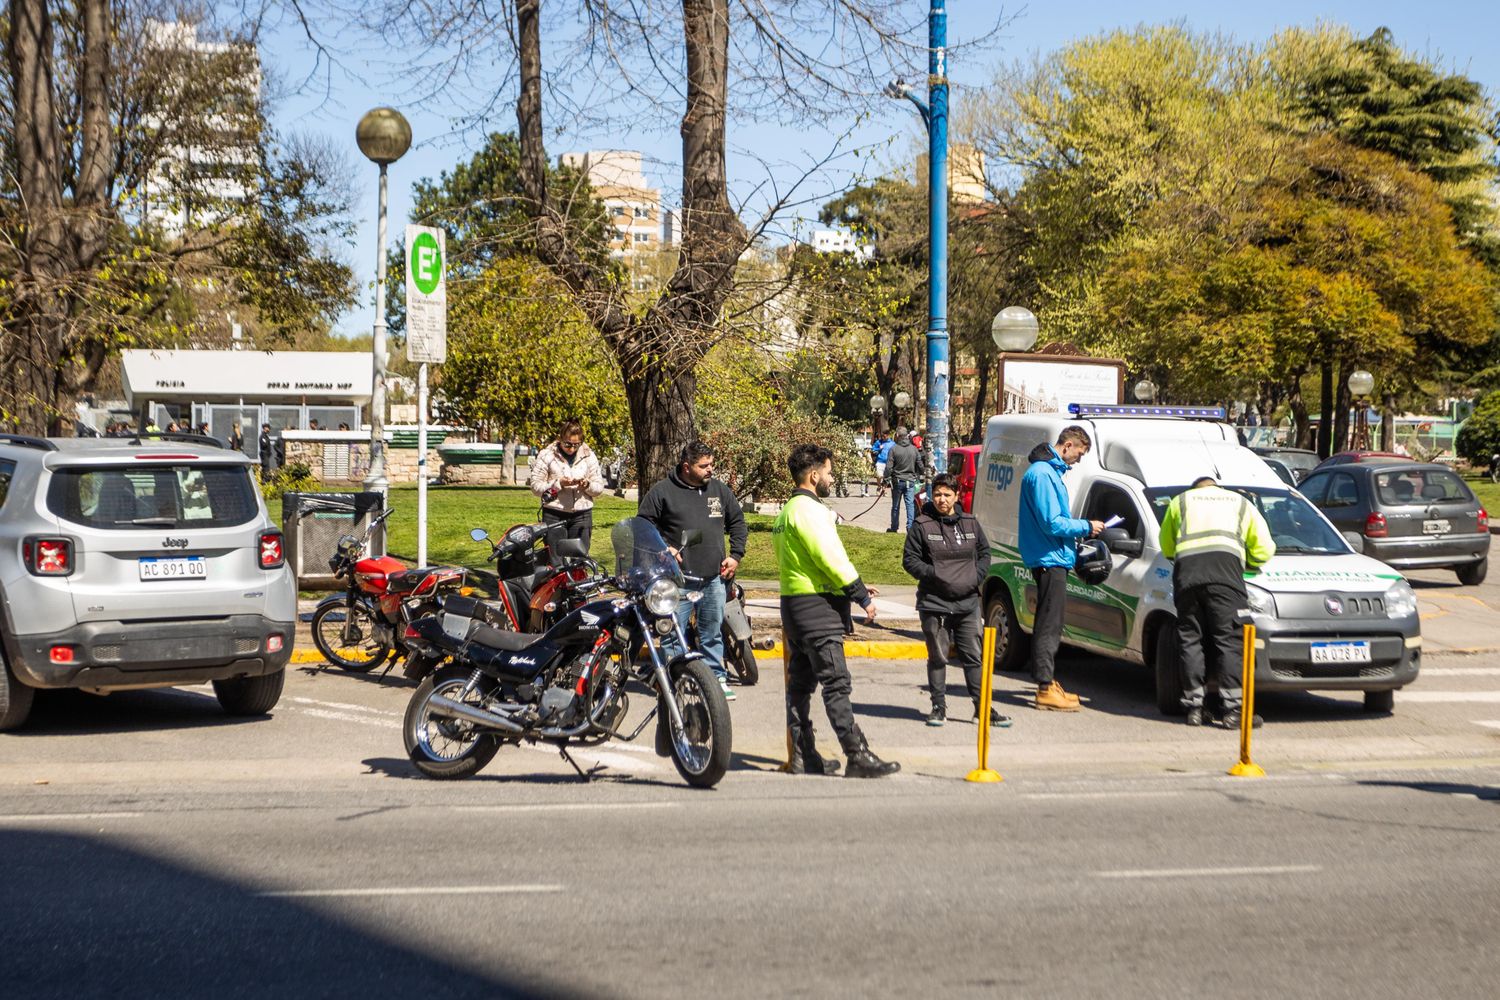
(1261, 601)
(1400, 600)
(662, 597)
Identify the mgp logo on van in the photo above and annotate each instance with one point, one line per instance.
(1000, 470)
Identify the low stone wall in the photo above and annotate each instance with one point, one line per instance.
(341, 463)
(474, 475)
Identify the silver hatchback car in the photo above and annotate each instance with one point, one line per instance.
(129, 563)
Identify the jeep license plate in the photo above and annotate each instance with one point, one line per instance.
(174, 568)
(1340, 652)
(1436, 527)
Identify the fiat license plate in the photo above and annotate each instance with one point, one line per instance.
(174, 568)
(1340, 652)
(1436, 527)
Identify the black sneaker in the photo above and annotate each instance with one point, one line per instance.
(1196, 716)
(1231, 720)
(938, 715)
(997, 721)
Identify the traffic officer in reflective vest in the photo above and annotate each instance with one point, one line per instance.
(1214, 537)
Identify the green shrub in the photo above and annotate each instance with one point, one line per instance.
(293, 477)
(1479, 438)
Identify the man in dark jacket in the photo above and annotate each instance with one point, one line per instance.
(948, 553)
(690, 497)
(903, 467)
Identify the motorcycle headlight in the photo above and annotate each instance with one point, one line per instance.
(662, 597)
(1400, 600)
(1261, 601)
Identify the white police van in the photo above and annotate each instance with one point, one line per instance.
(1327, 617)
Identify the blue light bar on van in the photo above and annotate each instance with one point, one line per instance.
(1110, 410)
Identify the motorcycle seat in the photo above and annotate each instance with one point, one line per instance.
(494, 638)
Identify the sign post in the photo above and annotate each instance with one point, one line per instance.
(426, 340)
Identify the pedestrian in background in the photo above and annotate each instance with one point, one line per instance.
(566, 477)
(691, 498)
(1214, 537)
(236, 437)
(818, 586)
(948, 553)
(904, 470)
(264, 444)
(1049, 548)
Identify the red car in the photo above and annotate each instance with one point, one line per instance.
(963, 462)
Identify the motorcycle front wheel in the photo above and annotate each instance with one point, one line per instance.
(701, 751)
(346, 637)
(441, 747)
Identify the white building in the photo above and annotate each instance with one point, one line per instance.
(634, 206)
(839, 241)
(190, 184)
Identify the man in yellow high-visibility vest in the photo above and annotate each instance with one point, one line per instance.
(1214, 537)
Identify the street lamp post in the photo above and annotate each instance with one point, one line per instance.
(1145, 391)
(877, 416)
(1361, 384)
(384, 137)
(935, 116)
(901, 401)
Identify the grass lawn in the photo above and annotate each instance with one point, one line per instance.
(1487, 492)
(453, 510)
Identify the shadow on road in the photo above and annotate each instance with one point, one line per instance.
(1489, 793)
(68, 712)
(86, 918)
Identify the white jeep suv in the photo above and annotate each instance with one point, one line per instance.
(137, 563)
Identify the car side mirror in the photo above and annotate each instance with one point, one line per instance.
(478, 534)
(1120, 542)
(1356, 541)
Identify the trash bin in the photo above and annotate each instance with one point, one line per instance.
(311, 525)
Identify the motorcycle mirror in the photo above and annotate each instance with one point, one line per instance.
(692, 536)
(479, 534)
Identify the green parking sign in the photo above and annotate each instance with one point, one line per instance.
(426, 296)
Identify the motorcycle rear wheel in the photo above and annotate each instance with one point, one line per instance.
(346, 637)
(743, 659)
(446, 748)
(702, 751)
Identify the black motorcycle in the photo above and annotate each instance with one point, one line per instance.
(566, 686)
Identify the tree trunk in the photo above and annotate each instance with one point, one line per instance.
(981, 400)
(1301, 429)
(1343, 400)
(1325, 419)
(1388, 422)
(659, 351)
(46, 361)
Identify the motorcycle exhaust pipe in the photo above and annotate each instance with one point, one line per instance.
(450, 709)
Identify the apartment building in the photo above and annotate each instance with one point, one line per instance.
(642, 227)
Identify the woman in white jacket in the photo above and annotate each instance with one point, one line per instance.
(566, 477)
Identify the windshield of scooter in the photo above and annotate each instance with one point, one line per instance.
(641, 555)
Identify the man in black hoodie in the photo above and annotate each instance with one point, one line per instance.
(947, 552)
(690, 497)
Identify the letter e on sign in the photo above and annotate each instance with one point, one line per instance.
(426, 296)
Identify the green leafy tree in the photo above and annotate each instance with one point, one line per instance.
(1479, 438)
(521, 360)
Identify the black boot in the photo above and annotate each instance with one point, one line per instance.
(864, 764)
(807, 760)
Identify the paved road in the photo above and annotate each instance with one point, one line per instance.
(154, 846)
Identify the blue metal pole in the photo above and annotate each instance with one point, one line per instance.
(937, 221)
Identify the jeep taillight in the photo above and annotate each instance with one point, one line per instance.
(48, 556)
(272, 555)
(1375, 526)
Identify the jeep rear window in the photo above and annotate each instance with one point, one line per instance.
(155, 496)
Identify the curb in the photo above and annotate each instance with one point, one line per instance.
(861, 650)
(864, 650)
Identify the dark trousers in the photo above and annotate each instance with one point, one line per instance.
(1207, 626)
(813, 663)
(579, 525)
(964, 626)
(1046, 630)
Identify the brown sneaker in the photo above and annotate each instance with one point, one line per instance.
(1054, 699)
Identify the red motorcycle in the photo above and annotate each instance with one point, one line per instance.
(362, 627)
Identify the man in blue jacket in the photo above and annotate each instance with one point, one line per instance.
(1049, 548)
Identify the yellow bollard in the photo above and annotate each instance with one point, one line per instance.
(1246, 768)
(786, 679)
(983, 773)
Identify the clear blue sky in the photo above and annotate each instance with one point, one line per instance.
(1462, 36)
